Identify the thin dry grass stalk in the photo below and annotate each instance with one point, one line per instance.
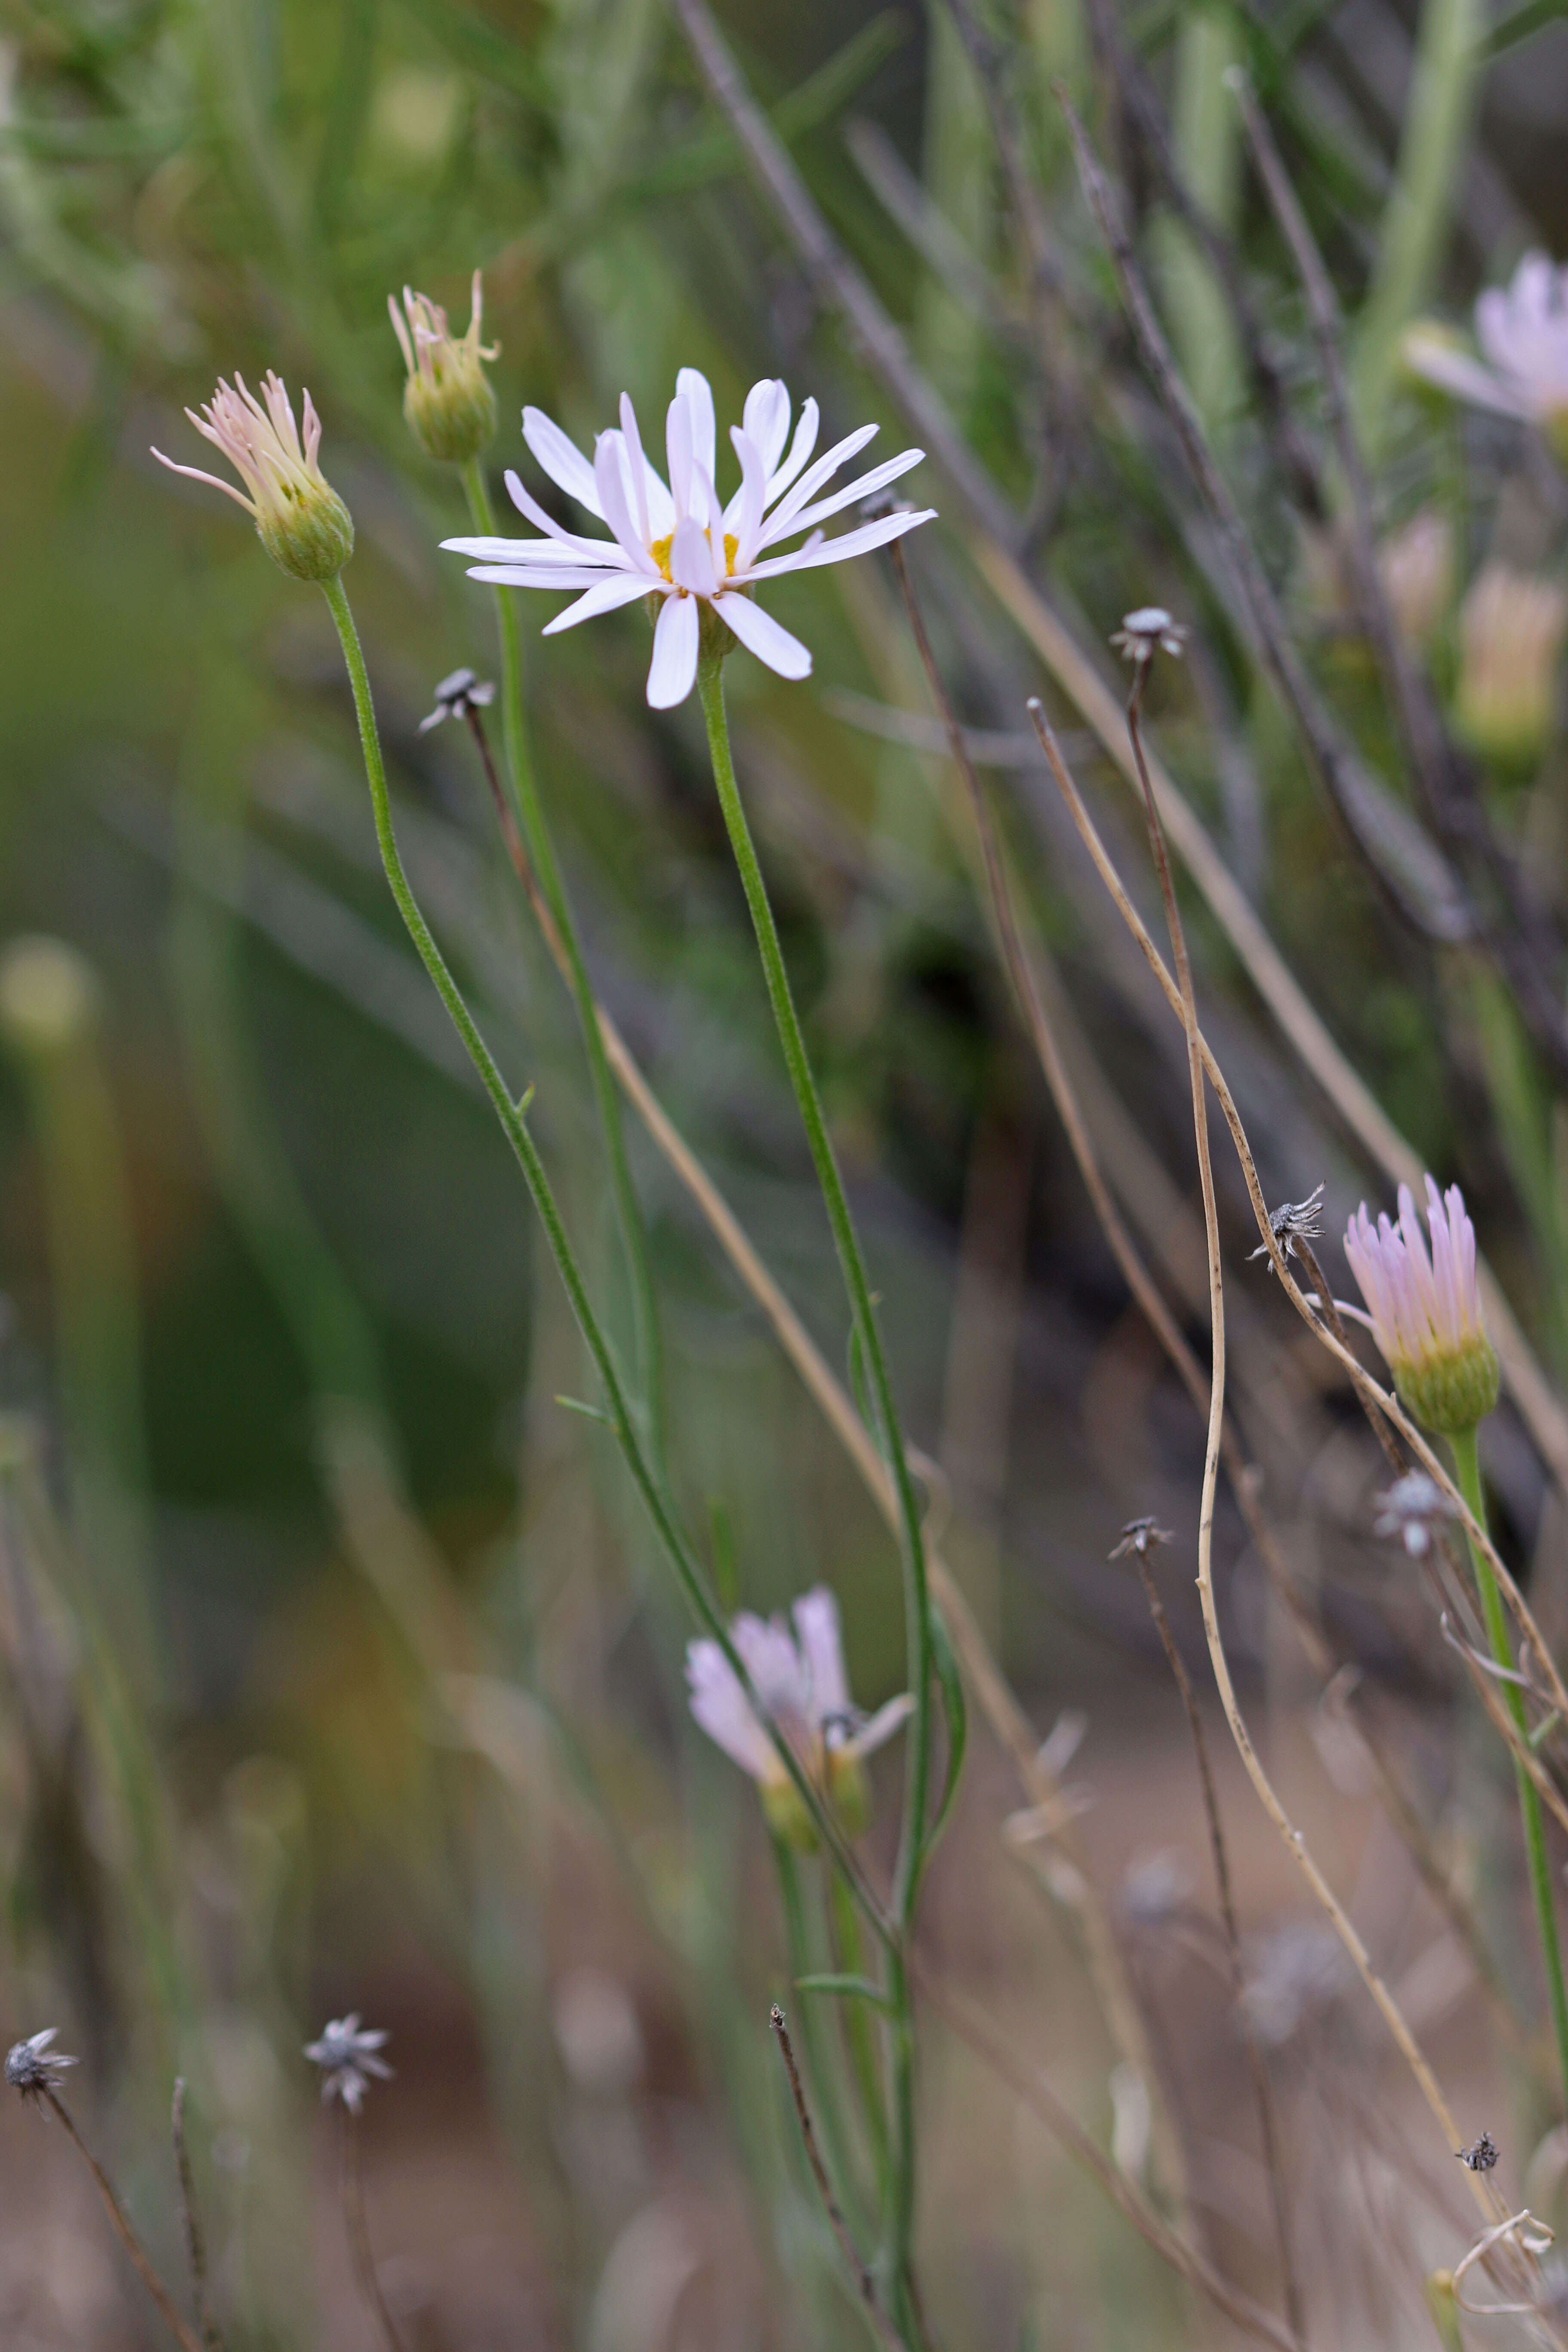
(169, 2310)
(880, 2321)
(195, 2249)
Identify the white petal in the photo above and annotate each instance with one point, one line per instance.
(812, 480)
(743, 515)
(877, 480)
(691, 559)
(821, 1640)
(554, 576)
(1457, 372)
(800, 448)
(637, 476)
(720, 1706)
(561, 459)
(765, 420)
(672, 673)
(609, 473)
(604, 596)
(678, 450)
(763, 636)
(704, 432)
(881, 1726)
(838, 551)
(538, 552)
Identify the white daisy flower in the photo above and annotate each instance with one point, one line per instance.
(1522, 331)
(676, 542)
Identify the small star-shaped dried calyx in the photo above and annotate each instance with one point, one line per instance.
(33, 2068)
(347, 2055)
(1148, 631)
(457, 696)
(1412, 1509)
(1293, 1221)
(1481, 2156)
(1141, 1536)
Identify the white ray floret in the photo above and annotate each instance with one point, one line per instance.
(675, 541)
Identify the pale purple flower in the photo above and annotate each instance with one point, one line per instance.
(676, 542)
(796, 1668)
(1522, 331)
(33, 2068)
(1424, 1308)
(346, 2054)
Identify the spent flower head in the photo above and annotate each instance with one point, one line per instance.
(346, 2054)
(1522, 329)
(1414, 1510)
(1291, 1224)
(448, 400)
(32, 2068)
(1140, 1536)
(1148, 631)
(1424, 1308)
(797, 1671)
(460, 692)
(302, 521)
(695, 560)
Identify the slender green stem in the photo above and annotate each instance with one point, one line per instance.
(1467, 1472)
(535, 825)
(917, 1601)
(857, 2027)
(514, 1126)
(829, 2109)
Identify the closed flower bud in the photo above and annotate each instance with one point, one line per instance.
(299, 518)
(1511, 627)
(448, 400)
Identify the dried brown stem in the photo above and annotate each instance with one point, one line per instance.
(1262, 2096)
(1031, 2088)
(356, 2227)
(167, 2306)
(865, 2287)
(196, 2250)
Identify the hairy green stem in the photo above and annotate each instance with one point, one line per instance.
(916, 1600)
(530, 815)
(514, 1126)
(1468, 1472)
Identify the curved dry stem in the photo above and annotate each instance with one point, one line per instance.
(1295, 1842)
(1373, 1397)
(167, 2306)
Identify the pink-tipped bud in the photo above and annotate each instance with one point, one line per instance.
(448, 400)
(1425, 1308)
(299, 518)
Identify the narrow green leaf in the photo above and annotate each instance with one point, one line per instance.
(848, 1989)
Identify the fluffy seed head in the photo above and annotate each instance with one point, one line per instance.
(448, 399)
(302, 521)
(1423, 1309)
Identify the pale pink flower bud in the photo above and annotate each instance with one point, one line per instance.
(1425, 1310)
(302, 521)
(448, 400)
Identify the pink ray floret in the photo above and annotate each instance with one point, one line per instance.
(797, 1666)
(262, 443)
(1419, 1306)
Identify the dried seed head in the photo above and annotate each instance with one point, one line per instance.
(1412, 1509)
(1481, 2156)
(346, 2053)
(1148, 631)
(33, 2068)
(1293, 1221)
(458, 694)
(1141, 1536)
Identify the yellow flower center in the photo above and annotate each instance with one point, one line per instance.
(660, 548)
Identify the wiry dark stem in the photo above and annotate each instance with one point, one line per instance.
(196, 2249)
(176, 2325)
(840, 2226)
(356, 2227)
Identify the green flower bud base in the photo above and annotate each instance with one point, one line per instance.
(1452, 1389)
(452, 416)
(310, 536)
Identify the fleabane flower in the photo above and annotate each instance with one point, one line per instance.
(676, 543)
(448, 400)
(302, 521)
(796, 1668)
(1423, 1309)
(1522, 331)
